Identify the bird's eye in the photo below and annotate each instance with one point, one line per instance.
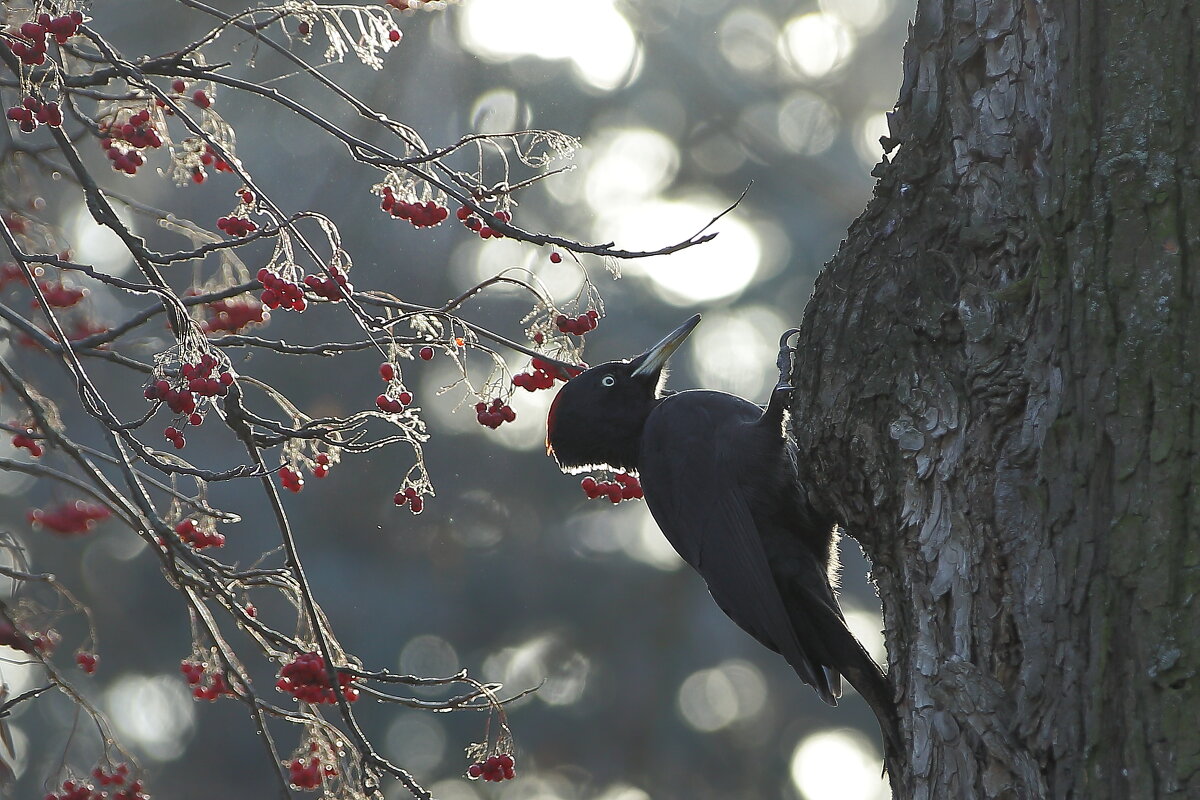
(608, 380)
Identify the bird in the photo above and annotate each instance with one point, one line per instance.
(720, 477)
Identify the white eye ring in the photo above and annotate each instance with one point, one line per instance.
(608, 380)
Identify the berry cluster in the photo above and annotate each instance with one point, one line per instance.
(87, 663)
(495, 415)
(495, 768)
(77, 791)
(114, 777)
(622, 487)
(31, 46)
(36, 642)
(280, 293)
(206, 378)
(420, 215)
(175, 436)
(233, 315)
(27, 441)
(322, 468)
(137, 134)
(579, 325)
(236, 226)
(195, 672)
(61, 295)
(393, 405)
(304, 678)
(333, 287)
(543, 376)
(307, 775)
(291, 479)
(33, 112)
(70, 518)
(416, 503)
(191, 533)
(469, 218)
(209, 157)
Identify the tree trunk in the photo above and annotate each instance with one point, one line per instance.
(998, 399)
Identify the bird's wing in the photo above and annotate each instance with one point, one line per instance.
(685, 463)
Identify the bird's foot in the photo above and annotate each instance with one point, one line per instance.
(786, 361)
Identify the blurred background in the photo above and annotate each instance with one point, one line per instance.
(647, 690)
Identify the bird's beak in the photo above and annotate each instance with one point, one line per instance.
(654, 359)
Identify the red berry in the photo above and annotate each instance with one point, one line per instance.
(405, 398)
(201, 98)
(394, 35)
(555, 258)
(387, 371)
(178, 86)
(426, 353)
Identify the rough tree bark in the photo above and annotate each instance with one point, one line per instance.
(998, 399)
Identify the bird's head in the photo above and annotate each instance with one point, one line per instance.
(596, 420)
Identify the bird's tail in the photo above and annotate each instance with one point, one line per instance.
(872, 684)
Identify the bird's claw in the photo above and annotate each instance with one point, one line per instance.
(786, 361)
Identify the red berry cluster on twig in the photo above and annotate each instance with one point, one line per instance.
(69, 519)
(206, 378)
(28, 642)
(29, 44)
(27, 441)
(409, 497)
(542, 376)
(61, 295)
(322, 468)
(117, 777)
(393, 405)
(33, 112)
(495, 768)
(232, 315)
(205, 685)
(209, 158)
(623, 486)
(578, 325)
(333, 287)
(495, 415)
(305, 678)
(420, 215)
(307, 775)
(87, 662)
(114, 777)
(236, 226)
(291, 479)
(198, 537)
(280, 293)
(473, 222)
(136, 134)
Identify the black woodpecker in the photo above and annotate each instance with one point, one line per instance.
(720, 477)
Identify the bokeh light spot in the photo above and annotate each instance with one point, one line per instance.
(153, 713)
(429, 655)
(593, 36)
(866, 140)
(711, 271)
(838, 765)
(817, 44)
(745, 38)
(417, 740)
(735, 351)
(862, 15)
(808, 125)
(630, 165)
